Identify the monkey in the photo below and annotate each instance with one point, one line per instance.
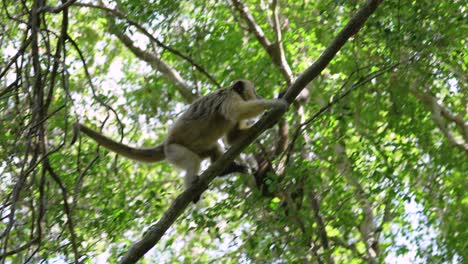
(194, 135)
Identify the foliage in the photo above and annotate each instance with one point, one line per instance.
(380, 176)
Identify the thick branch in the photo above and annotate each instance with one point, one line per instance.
(276, 53)
(155, 233)
(348, 31)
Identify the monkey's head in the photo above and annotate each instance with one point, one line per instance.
(245, 89)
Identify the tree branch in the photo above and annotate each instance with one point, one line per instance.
(439, 112)
(19, 249)
(145, 32)
(367, 226)
(66, 208)
(254, 28)
(275, 50)
(57, 9)
(158, 64)
(154, 234)
(279, 49)
(320, 220)
(348, 31)
(90, 80)
(27, 40)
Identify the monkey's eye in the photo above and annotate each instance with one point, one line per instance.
(238, 87)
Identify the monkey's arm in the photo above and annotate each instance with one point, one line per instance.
(145, 155)
(241, 110)
(236, 134)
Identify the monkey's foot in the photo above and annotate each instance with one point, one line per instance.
(234, 167)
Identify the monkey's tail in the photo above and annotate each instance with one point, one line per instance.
(154, 154)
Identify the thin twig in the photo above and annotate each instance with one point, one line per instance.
(336, 99)
(67, 209)
(93, 89)
(57, 9)
(145, 32)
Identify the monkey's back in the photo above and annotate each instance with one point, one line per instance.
(202, 124)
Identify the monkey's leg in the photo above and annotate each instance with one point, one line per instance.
(216, 152)
(184, 159)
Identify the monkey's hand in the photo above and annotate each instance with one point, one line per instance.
(76, 131)
(280, 104)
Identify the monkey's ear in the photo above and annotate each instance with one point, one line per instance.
(238, 86)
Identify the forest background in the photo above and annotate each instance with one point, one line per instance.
(368, 165)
